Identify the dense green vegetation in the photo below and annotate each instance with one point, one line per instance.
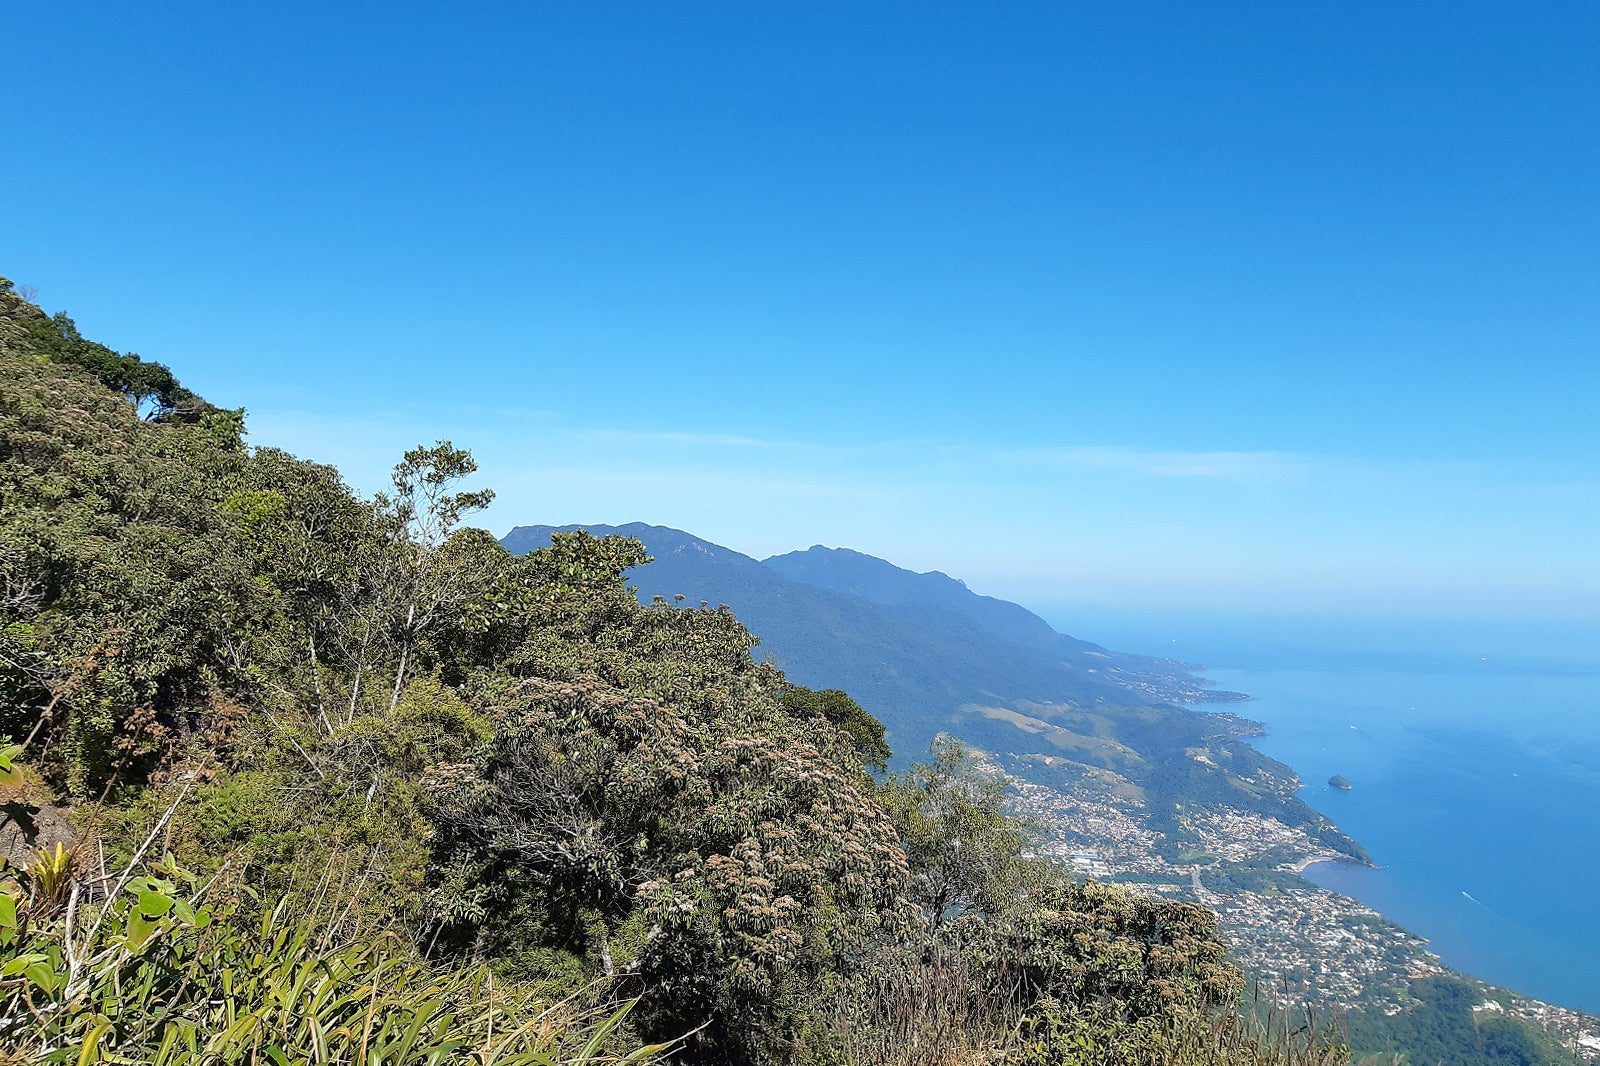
(1447, 1029)
(927, 655)
(349, 782)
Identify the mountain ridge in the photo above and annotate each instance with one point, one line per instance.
(848, 570)
(811, 608)
(927, 656)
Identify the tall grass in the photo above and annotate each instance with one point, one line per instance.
(933, 1011)
(134, 969)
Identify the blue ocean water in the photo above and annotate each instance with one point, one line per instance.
(1475, 770)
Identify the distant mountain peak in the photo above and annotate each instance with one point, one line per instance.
(661, 541)
(827, 613)
(877, 579)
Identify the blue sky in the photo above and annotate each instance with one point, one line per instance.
(1284, 308)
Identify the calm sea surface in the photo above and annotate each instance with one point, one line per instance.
(1475, 770)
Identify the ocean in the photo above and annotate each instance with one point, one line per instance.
(1474, 758)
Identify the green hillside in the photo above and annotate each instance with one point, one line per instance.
(928, 657)
(296, 776)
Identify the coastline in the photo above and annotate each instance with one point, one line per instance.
(1300, 866)
(1430, 743)
(1459, 761)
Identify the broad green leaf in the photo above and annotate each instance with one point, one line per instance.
(21, 963)
(44, 976)
(139, 930)
(154, 904)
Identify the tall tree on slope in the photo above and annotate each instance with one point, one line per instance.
(425, 578)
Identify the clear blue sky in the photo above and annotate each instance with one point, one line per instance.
(1266, 306)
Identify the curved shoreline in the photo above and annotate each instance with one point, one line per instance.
(1330, 857)
(1302, 865)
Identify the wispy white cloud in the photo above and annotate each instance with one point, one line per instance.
(683, 438)
(368, 446)
(1253, 466)
(687, 482)
(1232, 466)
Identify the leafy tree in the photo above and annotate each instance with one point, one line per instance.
(1101, 944)
(425, 582)
(306, 532)
(836, 706)
(965, 852)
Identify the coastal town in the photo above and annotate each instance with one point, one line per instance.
(1300, 945)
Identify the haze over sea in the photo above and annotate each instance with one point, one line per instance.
(1474, 755)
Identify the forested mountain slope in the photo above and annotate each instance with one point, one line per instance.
(912, 646)
(927, 656)
(873, 579)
